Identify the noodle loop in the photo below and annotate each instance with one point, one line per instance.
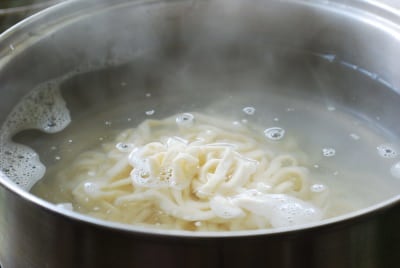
(193, 172)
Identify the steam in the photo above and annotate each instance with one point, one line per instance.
(193, 54)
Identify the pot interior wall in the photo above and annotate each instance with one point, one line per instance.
(304, 50)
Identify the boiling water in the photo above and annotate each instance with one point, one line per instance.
(345, 151)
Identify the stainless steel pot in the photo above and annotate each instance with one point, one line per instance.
(365, 35)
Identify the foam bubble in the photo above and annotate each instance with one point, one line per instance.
(91, 187)
(328, 152)
(274, 133)
(124, 147)
(224, 208)
(42, 108)
(185, 120)
(318, 188)
(21, 164)
(150, 112)
(386, 151)
(249, 110)
(280, 210)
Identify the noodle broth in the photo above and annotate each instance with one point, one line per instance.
(345, 153)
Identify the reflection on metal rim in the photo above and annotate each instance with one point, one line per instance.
(28, 8)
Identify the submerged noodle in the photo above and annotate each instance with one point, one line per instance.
(193, 172)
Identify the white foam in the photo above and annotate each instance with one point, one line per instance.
(280, 210)
(328, 152)
(387, 151)
(42, 108)
(318, 188)
(150, 112)
(224, 208)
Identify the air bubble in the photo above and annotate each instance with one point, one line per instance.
(395, 170)
(328, 152)
(150, 112)
(185, 120)
(249, 110)
(148, 95)
(108, 123)
(386, 151)
(274, 133)
(90, 187)
(124, 147)
(318, 188)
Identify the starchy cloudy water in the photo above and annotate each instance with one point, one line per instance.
(337, 163)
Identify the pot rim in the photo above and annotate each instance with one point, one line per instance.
(28, 8)
(388, 19)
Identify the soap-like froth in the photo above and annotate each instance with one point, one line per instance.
(44, 109)
(280, 210)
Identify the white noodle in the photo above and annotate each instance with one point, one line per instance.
(205, 176)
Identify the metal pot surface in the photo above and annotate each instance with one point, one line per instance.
(74, 35)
